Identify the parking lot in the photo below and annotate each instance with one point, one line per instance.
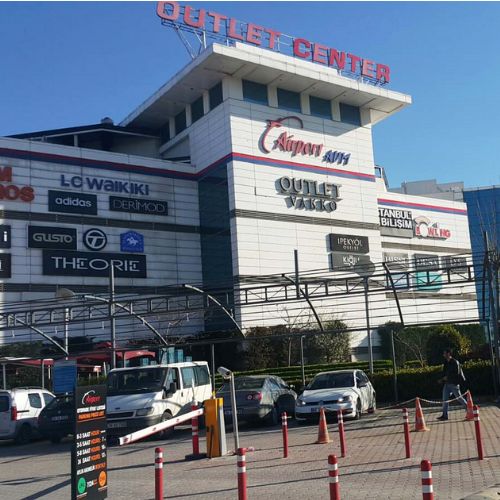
(375, 467)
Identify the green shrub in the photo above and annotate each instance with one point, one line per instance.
(423, 382)
(443, 337)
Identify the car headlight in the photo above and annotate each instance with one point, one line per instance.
(300, 402)
(345, 399)
(143, 412)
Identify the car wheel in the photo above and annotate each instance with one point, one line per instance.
(373, 406)
(272, 417)
(24, 435)
(166, 433)
(56, 439)
(358, 410)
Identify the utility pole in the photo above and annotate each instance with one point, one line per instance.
(112, 314)
(368, 329)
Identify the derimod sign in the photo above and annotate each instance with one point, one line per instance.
(89, 475)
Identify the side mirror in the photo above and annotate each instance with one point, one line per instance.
(171, 390)
(291, 386)
(362, 384)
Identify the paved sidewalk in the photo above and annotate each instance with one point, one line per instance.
(375, 467)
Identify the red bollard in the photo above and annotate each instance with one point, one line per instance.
(284, 425)
(406, 426)
(426, 471)
(194, 431)
(340, 420)
(333, 477)
(477, 425)
(242, 474)
(158, 474)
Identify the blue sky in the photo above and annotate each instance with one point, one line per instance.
(66, 64)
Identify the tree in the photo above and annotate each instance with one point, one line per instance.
(333, 346)
(444, 337)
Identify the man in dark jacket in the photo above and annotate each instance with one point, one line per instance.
(452, 376)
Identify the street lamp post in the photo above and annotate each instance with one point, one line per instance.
(229, 375)
(112, 314)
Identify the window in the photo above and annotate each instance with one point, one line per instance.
(173, 376)
(350, 114)
(202, 376)
(255, 92)
(215, 96)
(180, 121)
(47, 397)
(289, 100)
(320, 107)
(197, 109)
(165, 132)
(4, 403)
(188, 379)
(35, 400)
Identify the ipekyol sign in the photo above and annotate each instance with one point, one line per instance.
(273, 138)
(349, 243)
(223, 28)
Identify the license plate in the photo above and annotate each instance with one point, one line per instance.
(116, 425)
(314, 410)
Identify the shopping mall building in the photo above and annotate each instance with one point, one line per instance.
(245, 155)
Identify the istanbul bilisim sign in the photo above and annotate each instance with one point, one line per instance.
(222, 27)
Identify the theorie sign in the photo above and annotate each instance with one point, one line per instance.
(89, 476)
(229, 30)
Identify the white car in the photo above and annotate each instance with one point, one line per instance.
(19, 410)
(348, 391)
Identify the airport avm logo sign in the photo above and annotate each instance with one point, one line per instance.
(285, 141)
(205, 23)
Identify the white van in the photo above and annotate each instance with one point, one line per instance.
(146, 395)
(19, 410)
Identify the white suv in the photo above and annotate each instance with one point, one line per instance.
(19, 410)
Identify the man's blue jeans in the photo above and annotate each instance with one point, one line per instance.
(455, 390)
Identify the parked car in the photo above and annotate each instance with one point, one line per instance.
(19, 411)
(259, 398)
(142, 396)
(347, 390)
(57, 419)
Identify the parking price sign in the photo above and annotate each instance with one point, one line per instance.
(89, 476)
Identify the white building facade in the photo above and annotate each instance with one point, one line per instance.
(243, 157)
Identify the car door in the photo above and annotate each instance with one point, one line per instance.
(6, 426)
(174, 402)
(362, 385)
(34, 407)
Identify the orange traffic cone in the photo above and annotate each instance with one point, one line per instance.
(323, 436)
(470, 407)
(419, 418)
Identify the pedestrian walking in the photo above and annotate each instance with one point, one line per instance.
(453, 376)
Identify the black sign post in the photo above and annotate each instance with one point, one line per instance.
(348, 243)
(89, 475)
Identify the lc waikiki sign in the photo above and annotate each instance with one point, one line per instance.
(224, 28)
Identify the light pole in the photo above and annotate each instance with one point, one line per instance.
(112, 314)
(229, 375)
(65, 293)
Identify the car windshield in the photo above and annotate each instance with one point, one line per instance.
(242, 384)
(60, 403)
(331, 381)
(136, 381)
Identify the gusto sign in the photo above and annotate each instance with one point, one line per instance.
(11, 192)
(219, 25)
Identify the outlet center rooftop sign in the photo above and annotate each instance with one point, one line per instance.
(205, 23)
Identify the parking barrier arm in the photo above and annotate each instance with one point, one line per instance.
(153, 429)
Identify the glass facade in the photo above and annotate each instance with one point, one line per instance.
(197, 109)
(215, 96)
(215, 237)
(483, 208)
